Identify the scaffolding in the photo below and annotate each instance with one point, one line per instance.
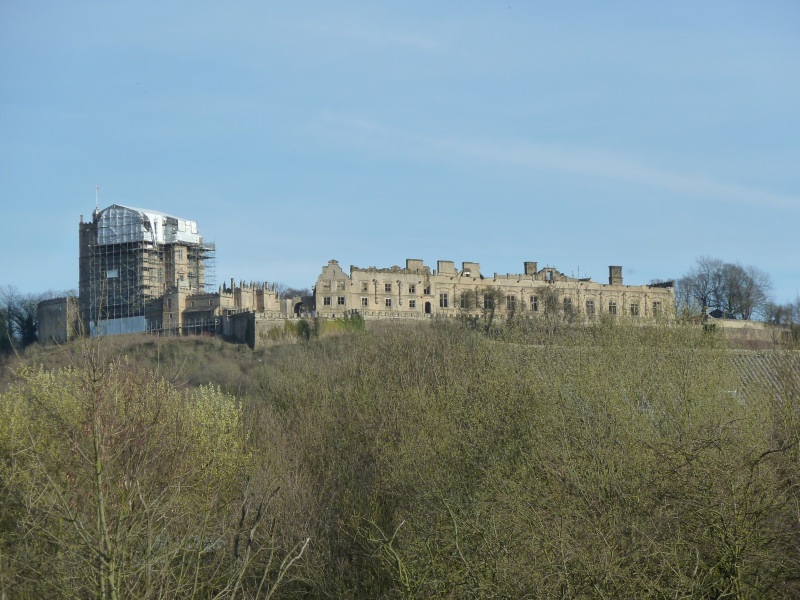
(133, 258)
(202, 259)
(120, 280)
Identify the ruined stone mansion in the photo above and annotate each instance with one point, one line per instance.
(141, 270)
(417, 291)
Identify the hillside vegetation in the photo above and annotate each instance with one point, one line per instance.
(406, 462)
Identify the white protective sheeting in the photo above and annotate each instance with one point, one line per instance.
(118, 326)
(123, 224)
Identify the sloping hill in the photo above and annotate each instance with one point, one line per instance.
(775, 370)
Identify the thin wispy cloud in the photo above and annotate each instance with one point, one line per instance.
(564, 158)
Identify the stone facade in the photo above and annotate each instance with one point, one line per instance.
(417, 291)
(58, 320)
(213, 311)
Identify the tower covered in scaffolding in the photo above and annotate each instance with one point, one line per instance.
(129, 259)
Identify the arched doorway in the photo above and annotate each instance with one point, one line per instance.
(427, 308)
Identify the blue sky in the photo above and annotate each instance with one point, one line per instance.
(575, 134)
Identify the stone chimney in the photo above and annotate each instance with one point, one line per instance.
(530, 268)
(446, 267)
(471, 269)
(614, 275)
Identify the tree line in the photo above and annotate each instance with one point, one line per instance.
(727, 289)
(731, 290)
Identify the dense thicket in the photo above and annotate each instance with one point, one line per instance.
(610, 461)
(115, 483)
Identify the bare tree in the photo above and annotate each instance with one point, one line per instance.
(704, 281)
(6, 339)
(685, 304)
(20, 314)
(783, 314)
(754, 292)
(735, 290)
(116, 483)
(291, 292)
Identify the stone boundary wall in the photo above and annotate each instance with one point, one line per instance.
(749, 331)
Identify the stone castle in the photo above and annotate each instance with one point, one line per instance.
(142, 270)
